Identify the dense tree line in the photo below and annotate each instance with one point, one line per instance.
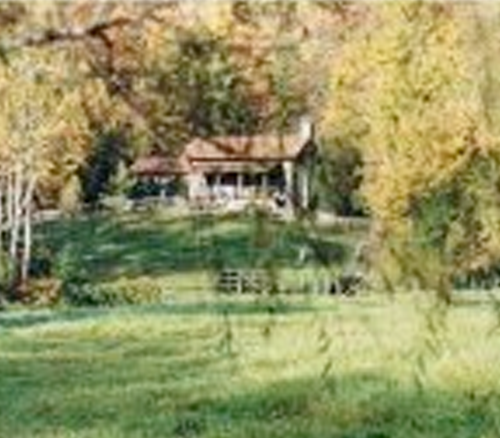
(415, 91)
(404, 94)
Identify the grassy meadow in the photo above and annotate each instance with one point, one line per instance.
(199, 364)
(304, 367)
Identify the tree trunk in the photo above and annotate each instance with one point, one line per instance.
(27, 223)
(15, 226)
(9, 207)
(3, 266)
(1, 218)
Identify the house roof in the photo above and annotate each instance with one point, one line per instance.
(230, 153)
(232, 166)
(245, 148)
(157, 165)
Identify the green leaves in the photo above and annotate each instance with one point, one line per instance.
(410, 96)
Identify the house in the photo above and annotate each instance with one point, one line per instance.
(233, 170)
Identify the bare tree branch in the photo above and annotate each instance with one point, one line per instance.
(76, 33)
(104, 69)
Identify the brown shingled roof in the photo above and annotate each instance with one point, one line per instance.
(254, 148)
(223, 154)
(157, 165)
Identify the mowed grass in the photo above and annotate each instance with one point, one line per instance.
(202, 365)
(370, 366)
(182, 253)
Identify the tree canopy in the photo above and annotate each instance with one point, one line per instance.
(404, 94)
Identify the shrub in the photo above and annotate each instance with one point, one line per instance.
(138, 291)
(41, 292)
(7, 271)
(338, 179)
(144, 189)
(41, 263)
(122, 292)
(78, 289)
(483, 278)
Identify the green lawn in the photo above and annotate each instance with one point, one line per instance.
(305, 367)
(207, 365)
(180, 253)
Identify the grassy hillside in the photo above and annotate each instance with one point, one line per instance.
(180, 253)
(307, 367)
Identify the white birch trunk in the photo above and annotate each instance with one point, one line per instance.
(2, 215)
(1, 212)
(9, 199)
(16, 218)
(3, 267)
(27, 225)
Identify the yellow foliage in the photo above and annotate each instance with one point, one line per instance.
(408, 90)
(405, 90)
(42, 125)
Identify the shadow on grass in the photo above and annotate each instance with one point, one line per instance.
(175, 381)
(29, 318)
(100, 383)
(218, 306)
(176, 398)
(352, 406)
(109, 247)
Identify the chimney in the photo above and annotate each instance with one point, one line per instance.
(306, 129)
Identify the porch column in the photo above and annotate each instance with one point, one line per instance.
(195, 182)
(264, 183)
(288, 174)
(239, 185)
(217, 180)
(162, 184)
(305, 187)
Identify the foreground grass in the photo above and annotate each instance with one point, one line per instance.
(369, 367)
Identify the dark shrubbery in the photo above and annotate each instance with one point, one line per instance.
(144, 189)
(7, 273)
(338, 179)
(41, 263)
(151, 189)
(61, 279)
(41, 289)
(40, 292)
(105, 170)
(122, 293)
(486, 278)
